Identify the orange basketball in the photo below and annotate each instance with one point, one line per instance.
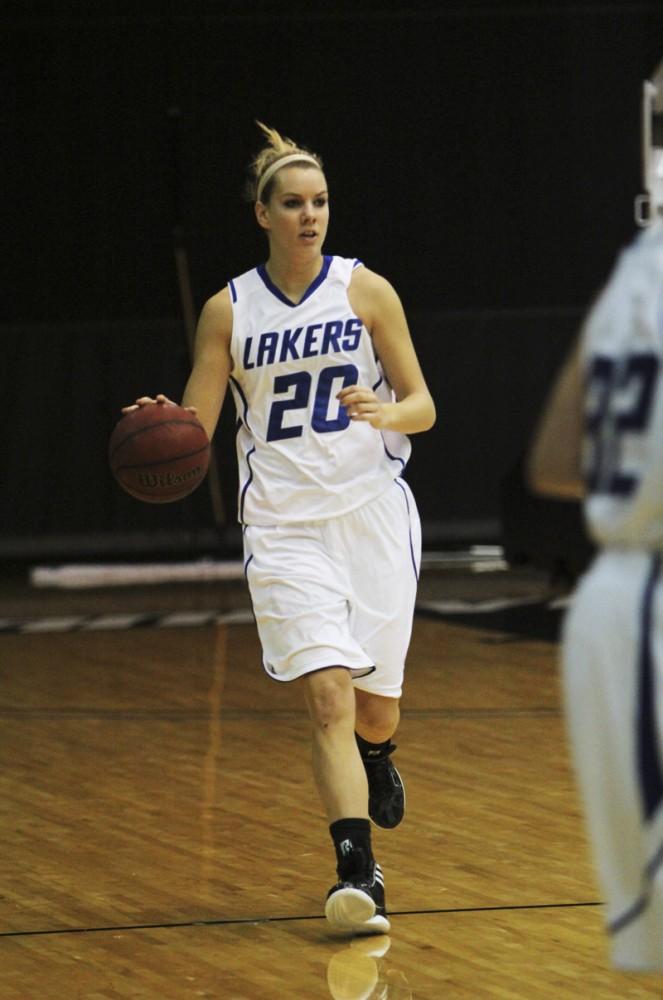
(159, 452)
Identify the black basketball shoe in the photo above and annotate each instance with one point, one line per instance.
(356, 903)
(386, 794)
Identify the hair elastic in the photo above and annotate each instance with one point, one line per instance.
(283, 161)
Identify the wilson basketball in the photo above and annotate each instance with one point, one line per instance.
(159, 453)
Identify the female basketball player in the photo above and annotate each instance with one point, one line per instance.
(326, 383)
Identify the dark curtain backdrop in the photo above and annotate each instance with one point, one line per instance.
(483, 157)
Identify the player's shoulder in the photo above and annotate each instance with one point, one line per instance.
(244, 287)
(219, 303)
(365, 279)
(372, 296)
(216, 315)
(362, 276)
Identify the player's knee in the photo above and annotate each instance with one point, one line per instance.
(377, 716)
(330, 698)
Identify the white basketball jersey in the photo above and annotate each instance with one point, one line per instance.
(623, 446)
(300, 456)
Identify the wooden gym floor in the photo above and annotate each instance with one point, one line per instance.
(162, 839)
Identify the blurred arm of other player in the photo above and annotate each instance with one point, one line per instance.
(554, 461)
(375, 301)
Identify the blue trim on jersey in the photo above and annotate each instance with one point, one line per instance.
(246, 566)
(650, 775)
(357, 263)
(233, 291)
(354, 672)
(275, 290)
(246, 484)
(649, 767)
(377, 384)
(407, 504)
(394, 458)
(642, 902)
(245, 402)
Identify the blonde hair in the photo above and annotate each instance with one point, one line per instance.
(276, 148)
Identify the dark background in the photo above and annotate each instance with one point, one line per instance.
(483, 157)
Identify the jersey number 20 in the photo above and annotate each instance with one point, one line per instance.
(298, 387)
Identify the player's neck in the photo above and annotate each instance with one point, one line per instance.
(292, 276)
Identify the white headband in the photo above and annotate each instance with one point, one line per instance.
(283, 162)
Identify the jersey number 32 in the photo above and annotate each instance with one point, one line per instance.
(620, 393)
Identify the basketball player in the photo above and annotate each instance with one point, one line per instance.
(326, 384)
(601, 438)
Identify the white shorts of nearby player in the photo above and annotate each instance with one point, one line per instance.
(339, 592)
(613, 683)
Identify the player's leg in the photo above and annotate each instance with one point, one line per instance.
(301, 599)
(356, 902)
(337, 768)
(385, 585)
(376, 722)
(612, 665)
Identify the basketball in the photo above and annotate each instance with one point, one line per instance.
(159, 453)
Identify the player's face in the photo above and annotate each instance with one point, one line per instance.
(297, 214)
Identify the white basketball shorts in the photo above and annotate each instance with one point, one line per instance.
(339, 592)
(613, 686)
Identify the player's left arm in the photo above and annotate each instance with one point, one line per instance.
(554, 459)
(377, 304)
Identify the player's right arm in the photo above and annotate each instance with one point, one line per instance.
(554, 460)
(212, 363)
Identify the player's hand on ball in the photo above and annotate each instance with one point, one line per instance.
(158, 453)
(159, 400)
(362, 404)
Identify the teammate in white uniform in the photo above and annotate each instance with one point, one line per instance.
(311, 346)
(601, 438)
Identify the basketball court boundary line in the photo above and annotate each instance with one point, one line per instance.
(236, 921)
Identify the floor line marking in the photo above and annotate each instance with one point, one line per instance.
(229, 921)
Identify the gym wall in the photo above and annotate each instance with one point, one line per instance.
(483, 157)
